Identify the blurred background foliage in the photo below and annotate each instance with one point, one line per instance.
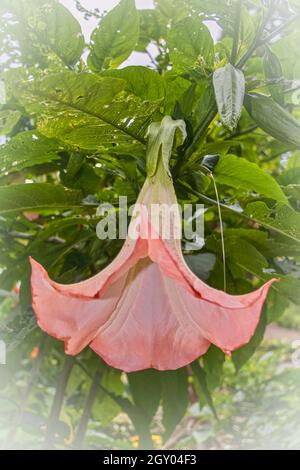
(72, 123)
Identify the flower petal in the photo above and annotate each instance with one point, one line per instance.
(147, 329)
(66, 317)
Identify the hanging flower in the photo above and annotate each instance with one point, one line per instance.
(147, 309)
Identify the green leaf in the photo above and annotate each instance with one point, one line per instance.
(240, 255)
(240, 173)
(115, 37)
(242, 355)
(174, 398)
(229, 86)
(190, 45)
(200, 376)
(141, 81)
(273, 119)
(145, 388)
(201, 264)
(281, 217)
(48, 24)
(87, 111)
(289, 287)
(8, 120)
(37, 196)
(273, 71)
(213, 362)
(80, 175)
(27, 149)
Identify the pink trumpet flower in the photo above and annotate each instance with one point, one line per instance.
(147, 309)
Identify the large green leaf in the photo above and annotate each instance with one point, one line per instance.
(174, 397)
(191, 45)
(115, 38)
(229, 86)
(87, 111)
(47, 26)
(38, 196)
(27, 149)
(141, 81)
(281, 217)
(242, 174)
(273, 119)
(240, 255)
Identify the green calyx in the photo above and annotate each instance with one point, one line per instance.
(162, 138)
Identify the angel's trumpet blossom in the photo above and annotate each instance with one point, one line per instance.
(147, 309)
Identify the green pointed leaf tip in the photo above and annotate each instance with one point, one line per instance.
(242, 355)
(145, 388)
(273, 119)
(162, 136)
(229, 86)
(174, 398)
(115, 37)
(202, 385)
(242, 174)
(191, 45)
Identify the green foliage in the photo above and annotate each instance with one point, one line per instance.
(73, 135)
(273, 119)
(44, 27)
(282, 218)
(191, 46)
(141, 81)
(242, 174)
(38, 196)
(273, 72)
(240, 357)
(174, 398)
(27, 149)
(115, 38)
(229, 86)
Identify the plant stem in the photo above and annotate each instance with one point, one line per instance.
(58, 401)
(241, 133)
(200, 131)
(221, 231)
